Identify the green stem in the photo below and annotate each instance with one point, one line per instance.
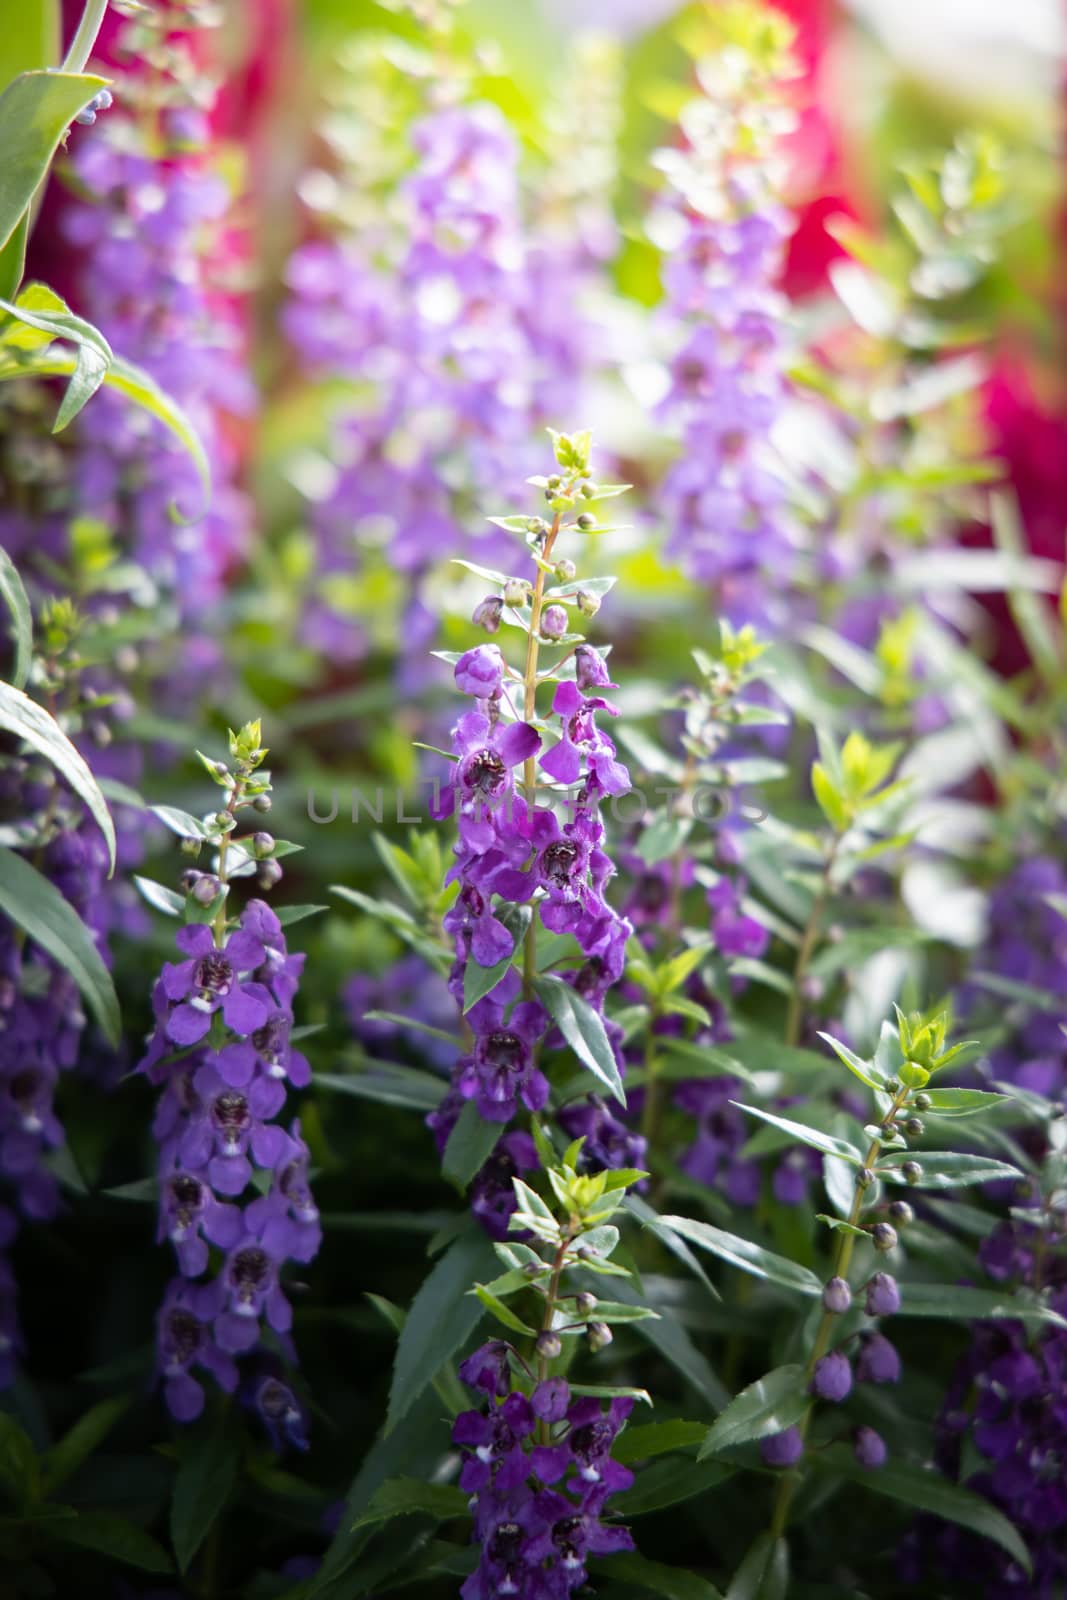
(543, 1434)
(529, 711)
(842, 1262)
(81, 46)
(813, 927)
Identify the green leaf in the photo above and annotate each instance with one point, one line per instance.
(764, 1573)
(479, 981)
(110, 1536)
(19, 1472)
(583, 1029)
(656, 1438)
(671, 1583)
(183, 823)
(80, 1442)
(669, 1482)
(36, 109)
(389, 1083)
(773, 1403)
(670, 1339)
(202, 1486)
(746, 1255)
(663, 837)
(442, 1316)
(169, 901)
(137, 386)
(865, 1071)
(13, 258)
(287, 915)
(860, 944)
(400, 1497)
(831, 804)
(500, 1311)
(34, 903)
(470, 1144)
(915, 1484)
(964, 1102)
(42, 310)
(823, 1142)
(971, 1305)
(948, 1170)
(839, 1225)
(30, 722)
(14, 597)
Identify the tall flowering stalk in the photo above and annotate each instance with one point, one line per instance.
(432, 287)
(156, 272)
(537, 1455)
(722, 227)
(222, 1055)
(522, 873)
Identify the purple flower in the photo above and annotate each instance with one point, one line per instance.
(488, 1369)
(497, 1460)
(583, 748)
(281, 1414)
(492, 1194)
(185, 1339)
(250, 1280)
(480, 672)
(210, 980)
(832, 1378)
(609, 1143)
(502, 1069)
(190, 1216)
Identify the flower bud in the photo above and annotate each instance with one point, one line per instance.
(782, 1449)
(912, 1171)
(812, 988)
(480, 672)
(206, 889)
(864, 1178)
(599, 1336)
(832, 1378)
(269, 874)
(588, 604)
(869, 1448)
(883, 1237)
(220, 769)
(486, 613)
(922, 1102)
(837, 1296)
(190, 847)
(584, 1303)
(565, 570)
(549, 1345)
(913, 1127)
(883, 1296)
(517, 592)
(262, 803)
(553, 622)
(877, 1361)
(189, 877)
(586, 521)
(589, 491)
(555, 481)
(536, 525)
(262, 844)
(901, 1213)
(590, 669)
